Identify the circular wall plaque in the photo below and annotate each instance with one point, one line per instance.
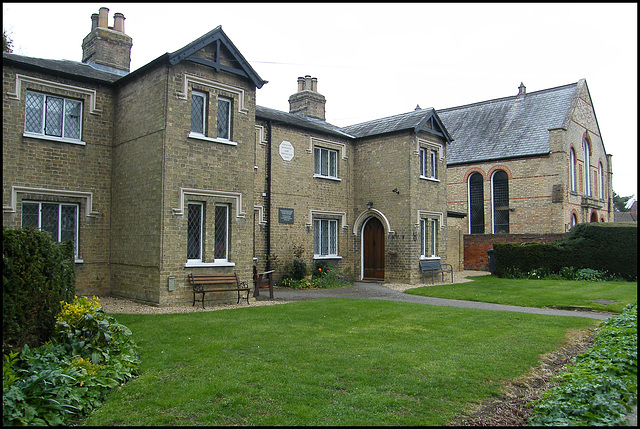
(286, 150)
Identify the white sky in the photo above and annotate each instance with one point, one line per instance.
(381, 59)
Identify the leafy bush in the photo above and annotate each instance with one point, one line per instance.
(37, 274)
(89, 354)
(600, 387)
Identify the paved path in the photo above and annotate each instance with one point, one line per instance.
(368, 290)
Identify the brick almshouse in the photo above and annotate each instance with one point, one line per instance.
(173, 168)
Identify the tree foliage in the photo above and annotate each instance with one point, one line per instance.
(620, 203)
(7, 43)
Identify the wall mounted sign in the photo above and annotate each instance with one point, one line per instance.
(286, 150)
(285, 215)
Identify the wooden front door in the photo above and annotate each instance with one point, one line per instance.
(373, 250)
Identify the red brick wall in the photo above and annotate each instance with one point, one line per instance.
(476, 246)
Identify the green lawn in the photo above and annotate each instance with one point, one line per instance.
(537, 293)
(326, 362)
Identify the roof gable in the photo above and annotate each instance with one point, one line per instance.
(419, 120)
(220, 43)
(509, 127)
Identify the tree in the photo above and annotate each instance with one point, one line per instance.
(7, 43)
(620, 203)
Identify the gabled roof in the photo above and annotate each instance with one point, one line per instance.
(219, 38)
(418, 120)
(300, 121)
(509, 127)
(63, 68)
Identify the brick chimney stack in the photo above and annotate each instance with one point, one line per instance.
(107, 48)
(307, 101)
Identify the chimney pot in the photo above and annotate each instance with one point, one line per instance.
(94, 21)
(314, 84)
(307, 82)
(300, 84)
(103, 17)
(118, 22)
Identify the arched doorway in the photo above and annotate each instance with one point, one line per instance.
(373, 250)
(594, 217)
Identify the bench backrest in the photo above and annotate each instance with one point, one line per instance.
(432, 264)
(213, 279)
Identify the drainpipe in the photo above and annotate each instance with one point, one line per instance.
(267, 200)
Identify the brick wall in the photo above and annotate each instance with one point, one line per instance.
(476, 246)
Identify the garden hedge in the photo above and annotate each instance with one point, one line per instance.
(37, 274)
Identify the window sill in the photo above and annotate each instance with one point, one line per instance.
(325, 257)
(431, 179)
(79, 261)
(429, 258)
(319, 176)
(211, 139)
(53, 139)
(194, 264)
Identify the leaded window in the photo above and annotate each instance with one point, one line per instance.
(601, 181)
(325, 162)
(500, 202)
(58, 219)
(587, 169)
(476, 204)
(198, 112)
(572, 167)
(325, 237)
(221, 232)
(224, 119)
(428, 163)
(48, 115)
(195, 231)
(428, 237)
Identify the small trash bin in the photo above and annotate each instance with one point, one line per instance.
(492, 262)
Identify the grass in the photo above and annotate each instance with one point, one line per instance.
(326, 362)
(537, 293)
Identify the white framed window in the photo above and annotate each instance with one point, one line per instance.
(53, 117)
(195, 231)
(601, 181)
(325, 237)
(325, 162)
(221, 252)
(224, 119)
(587, 169)
(433, 164)
(58, 219)
(572, 169)
(198, 112)
(428, 238)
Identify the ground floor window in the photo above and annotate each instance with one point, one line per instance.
(428, 238)
(195, 231)
(325, 237)
(222, 233)
(58, 219)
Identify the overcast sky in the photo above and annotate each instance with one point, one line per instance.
(381, 59)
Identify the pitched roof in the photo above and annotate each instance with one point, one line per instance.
(507, 127)
(64, 68)
(415, 121)
(300, 121)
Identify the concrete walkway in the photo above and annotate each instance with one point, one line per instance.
(367, 290)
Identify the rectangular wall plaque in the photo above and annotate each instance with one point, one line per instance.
(285, 215)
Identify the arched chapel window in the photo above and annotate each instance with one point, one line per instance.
(587, 169)
(500, 202)
(476, 204)
(572, 167)
(601, 181)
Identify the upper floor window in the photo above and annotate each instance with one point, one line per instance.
(47, 115)
(601, 181)
(572, 168)
(198, 112)
(587, 169)
(476, 204)
(325, 162)
(500, 202)
(58, 219)
(428, 163)
(224, 119)
(428, 237)
(325, 237)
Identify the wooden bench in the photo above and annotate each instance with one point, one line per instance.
(203, 283)
(435, 267)
(262, 281)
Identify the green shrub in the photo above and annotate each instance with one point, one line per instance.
(69, 376)
(37, 274)
(600, 386)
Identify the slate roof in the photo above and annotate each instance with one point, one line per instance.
(64, 68)
(405, 121)
(508, 127)
(300, 121)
